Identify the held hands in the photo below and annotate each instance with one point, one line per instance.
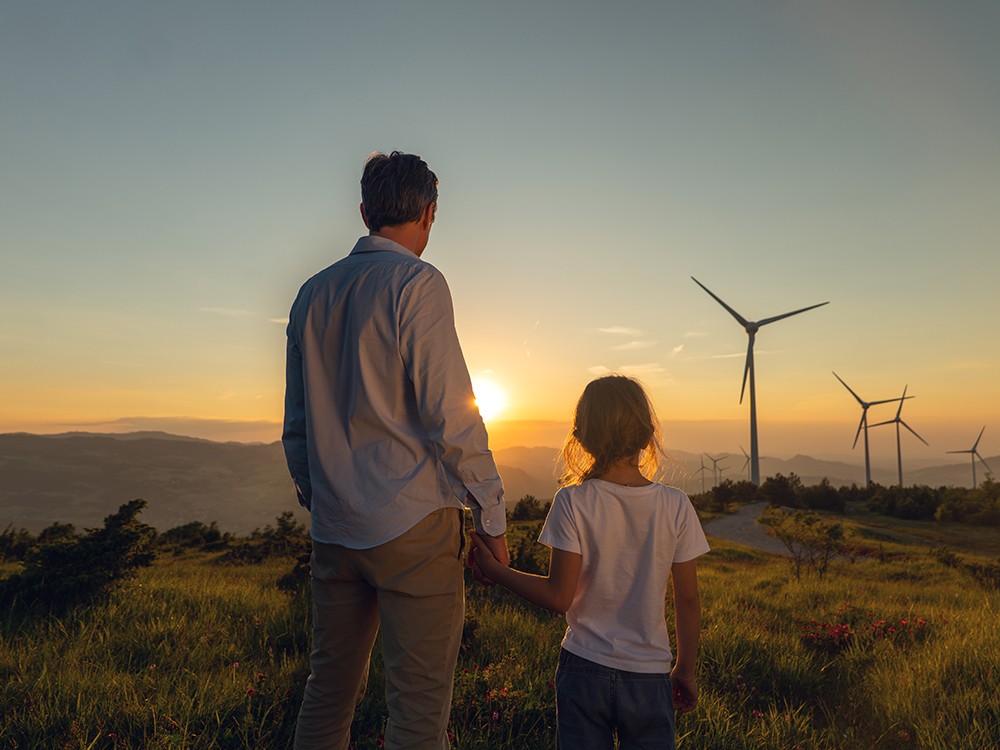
(685, 691)
(487, 555)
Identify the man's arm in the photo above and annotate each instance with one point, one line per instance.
(687, 611)
(293, 436)
(433, 356)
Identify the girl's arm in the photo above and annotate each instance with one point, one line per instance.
(687, 610)
(554, 592)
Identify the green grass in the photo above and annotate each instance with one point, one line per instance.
(194, 654)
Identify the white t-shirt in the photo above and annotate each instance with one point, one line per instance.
(629, 537)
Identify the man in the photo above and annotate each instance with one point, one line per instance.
(385, 444)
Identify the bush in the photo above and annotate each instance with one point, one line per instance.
(781, 490)
(812, 541)
(529, 508)
(980, 506)
(74, 569)
(194, 535)
(15, 544)
(288, 538)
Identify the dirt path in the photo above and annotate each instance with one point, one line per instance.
(742, 527)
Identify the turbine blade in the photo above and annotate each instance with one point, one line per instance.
(889, 400)
(740, 319)
(899, 411)
(765, 321)
(914, 432)
(976, 444)
(889, 421)
(857, 434)
(746, 368)
(983, 460)
(849, 389)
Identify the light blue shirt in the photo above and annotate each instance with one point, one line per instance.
(381, 426)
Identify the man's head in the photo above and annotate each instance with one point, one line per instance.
(396, 189)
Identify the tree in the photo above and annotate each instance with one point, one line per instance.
(781, 490)
(812, 541)
(529, 508)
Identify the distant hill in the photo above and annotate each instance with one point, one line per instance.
(81, 478)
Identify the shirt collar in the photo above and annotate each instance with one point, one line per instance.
(373, 244)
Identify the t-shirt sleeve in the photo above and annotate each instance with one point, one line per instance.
(560, 530)
(691, 541)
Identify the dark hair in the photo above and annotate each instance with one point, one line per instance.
(395, 189)
(614, 420)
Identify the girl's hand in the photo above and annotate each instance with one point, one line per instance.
(482, 557)
(684, 688)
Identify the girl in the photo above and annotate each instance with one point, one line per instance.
(616, 537)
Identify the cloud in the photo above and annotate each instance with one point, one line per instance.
(694, 334)
(230, 312)
(646, 368)
(621, 331)
(598, 370)
(279, 321)
(677, 350)
(633, 345)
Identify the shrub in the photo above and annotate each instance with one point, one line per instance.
(193, 535)
(14, 544)
(781, 490)
(74, 569)
(288, 538)
(529, 508)
(812, 541)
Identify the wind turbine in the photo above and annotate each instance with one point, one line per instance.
(715, 468)
(745, 463)
(751, 327)
(864, 423)
(899, 421)
(702, 471)
(974, 454)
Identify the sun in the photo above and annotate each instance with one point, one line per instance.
(490, 398)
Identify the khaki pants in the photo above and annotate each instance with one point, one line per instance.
(414, 588)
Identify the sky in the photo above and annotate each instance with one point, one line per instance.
(172, 172)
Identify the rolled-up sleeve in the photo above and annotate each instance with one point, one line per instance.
(433, 357)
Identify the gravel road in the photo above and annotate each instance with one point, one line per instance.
(742, 527)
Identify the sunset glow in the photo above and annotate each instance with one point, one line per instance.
(490, 398)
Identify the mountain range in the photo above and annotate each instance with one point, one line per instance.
(80, 478)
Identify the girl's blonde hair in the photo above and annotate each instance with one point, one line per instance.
(614, 420)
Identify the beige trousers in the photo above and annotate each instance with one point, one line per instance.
(413, 587)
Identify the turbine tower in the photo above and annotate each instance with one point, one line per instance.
(715, 468)
(899, 421)
(751, 327)
(974, 454)
(702, 471)
(864, 424)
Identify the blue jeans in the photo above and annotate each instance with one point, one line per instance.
(594, 702)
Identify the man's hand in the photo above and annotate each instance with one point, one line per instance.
(487, 553)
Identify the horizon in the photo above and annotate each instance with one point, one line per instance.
(168, 189)
(509, 435)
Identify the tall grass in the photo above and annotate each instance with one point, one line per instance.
(197, 654)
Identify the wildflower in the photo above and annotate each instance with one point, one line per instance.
(496, 716)
(379, 741)
(261, 676)
(757, 713)
(251, 692)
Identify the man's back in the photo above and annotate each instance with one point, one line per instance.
(384, 387)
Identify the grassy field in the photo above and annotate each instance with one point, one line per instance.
(893, 650)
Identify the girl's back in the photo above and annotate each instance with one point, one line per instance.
(628, 537)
